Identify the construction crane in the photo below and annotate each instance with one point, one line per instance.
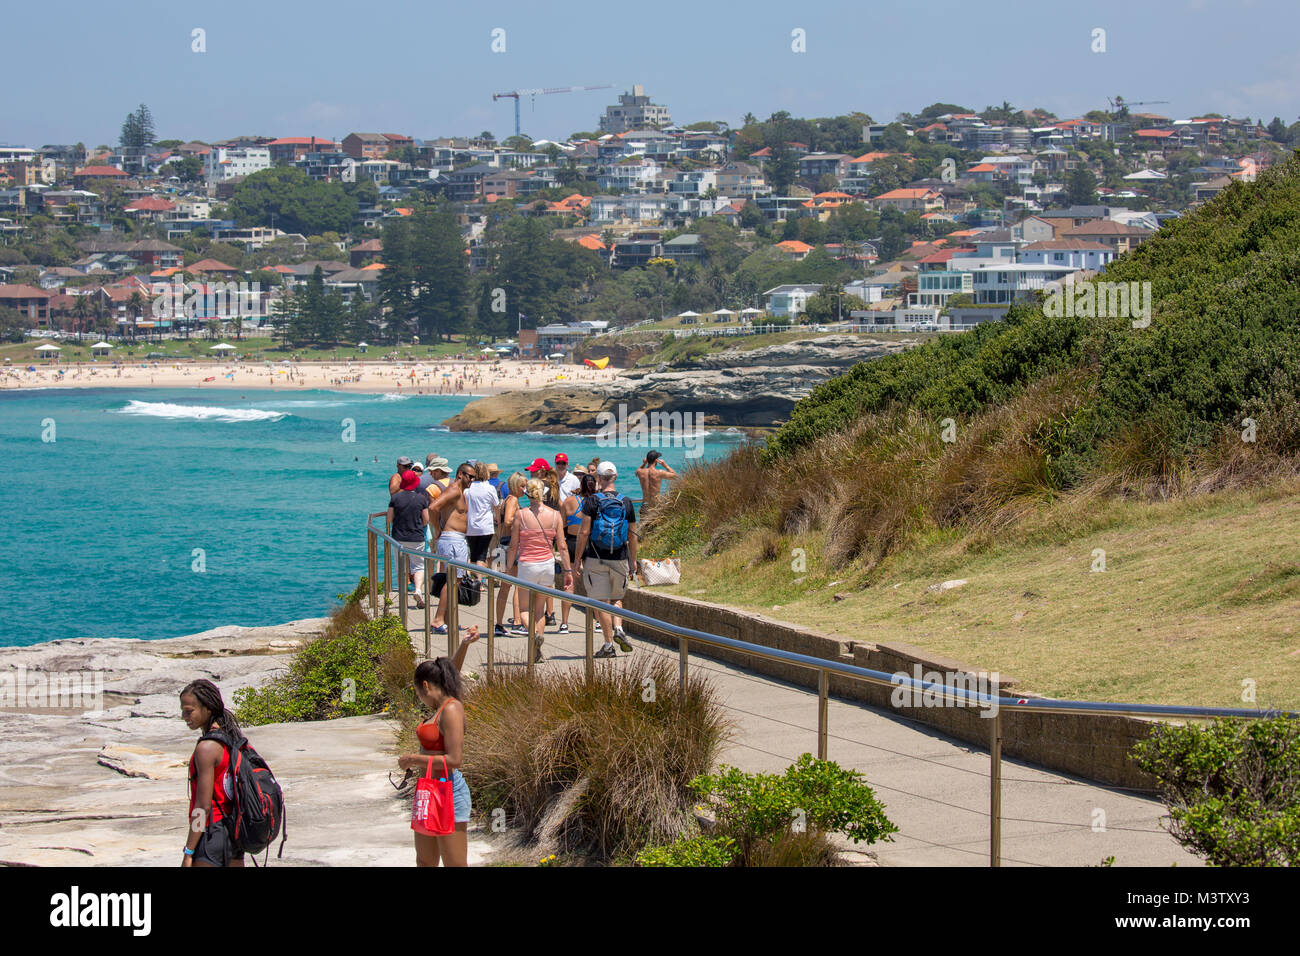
(1119, 104)
(532, 94)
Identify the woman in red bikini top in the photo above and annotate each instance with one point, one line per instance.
(438, 685)
(212, 798)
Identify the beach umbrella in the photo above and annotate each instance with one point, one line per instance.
(556, 355)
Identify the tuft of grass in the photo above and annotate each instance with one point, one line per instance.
(598, 770)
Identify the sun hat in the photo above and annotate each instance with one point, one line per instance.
(439, 464)
(410, 480)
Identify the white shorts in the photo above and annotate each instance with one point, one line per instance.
(415, 562)
(538, 572)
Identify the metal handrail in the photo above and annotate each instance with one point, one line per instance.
(825, 668)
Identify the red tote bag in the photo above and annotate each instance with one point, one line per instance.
(434, 811)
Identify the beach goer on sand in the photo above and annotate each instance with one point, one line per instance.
(408, 514)
(449, 513)
(652, 472)
(537, 535)
(607, 551)
(439, 687)
(484, 507)
(515, 485)
(567, 479)
(395, 479)
(211, 781)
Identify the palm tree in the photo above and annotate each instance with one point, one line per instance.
(81, 311)
(135, 308)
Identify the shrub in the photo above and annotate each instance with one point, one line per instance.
(1232, 788)
(779, 820)
(336, 675)
(599, 769)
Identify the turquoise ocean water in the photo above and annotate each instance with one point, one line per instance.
(104, 527)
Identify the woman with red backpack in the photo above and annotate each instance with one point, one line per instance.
(211, 782)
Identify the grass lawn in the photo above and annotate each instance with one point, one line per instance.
(1197, 596)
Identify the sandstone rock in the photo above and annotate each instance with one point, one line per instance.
(141, 762)
(747, 388)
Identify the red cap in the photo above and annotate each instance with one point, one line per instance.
(410, 481)
(561, 457)
(539, 465)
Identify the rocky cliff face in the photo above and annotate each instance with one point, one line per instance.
(738, 388)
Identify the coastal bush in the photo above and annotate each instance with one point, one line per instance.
(979, 431)
(335, 675)
(778, 819)
(1225, 296)
(598, 769)
(1232, 788)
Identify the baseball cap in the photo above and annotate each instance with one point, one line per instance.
(561, 457)
(417, 467)
(539, 464)
(404, 463)
(409, 480)
(438, 464)
(606, 469)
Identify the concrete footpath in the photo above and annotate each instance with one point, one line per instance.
(935, 788)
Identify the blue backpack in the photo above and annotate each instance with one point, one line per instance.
(609, 527)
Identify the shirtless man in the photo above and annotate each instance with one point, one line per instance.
(652, 473)
(452, 508)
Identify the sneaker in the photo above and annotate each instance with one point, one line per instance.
(564, 629)
(606, 651)
(621, 640)
(499, 631)
(550, 620)
(518, 630)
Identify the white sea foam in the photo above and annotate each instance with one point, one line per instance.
(393, 397)
(200, 412)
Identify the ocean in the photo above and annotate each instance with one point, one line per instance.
(156, 513)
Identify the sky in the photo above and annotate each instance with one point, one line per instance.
(428, 68)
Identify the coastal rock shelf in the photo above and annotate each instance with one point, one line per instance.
(109, 787)
(741, 388)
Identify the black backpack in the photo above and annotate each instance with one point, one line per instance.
(259, 801)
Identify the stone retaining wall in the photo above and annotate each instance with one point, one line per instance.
(1094, 746)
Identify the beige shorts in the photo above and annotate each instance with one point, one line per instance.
(604, 580)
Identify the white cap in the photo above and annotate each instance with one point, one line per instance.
(606, 469)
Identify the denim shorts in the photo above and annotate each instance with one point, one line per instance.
(460, 797)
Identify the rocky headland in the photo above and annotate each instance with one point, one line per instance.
(737, 388)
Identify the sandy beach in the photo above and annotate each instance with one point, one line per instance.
(422, 378)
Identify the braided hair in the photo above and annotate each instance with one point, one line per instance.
(441, 673)
(207, 694)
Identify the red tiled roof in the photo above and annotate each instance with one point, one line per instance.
(794, 245)
(1154, 133)
(19, 291)
(210, 265)
(150, 204)
(99, 171)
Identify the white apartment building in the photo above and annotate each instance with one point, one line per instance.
(224, 163)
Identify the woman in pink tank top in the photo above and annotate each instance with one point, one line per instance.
(537, 535)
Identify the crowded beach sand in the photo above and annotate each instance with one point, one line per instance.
(445, 377)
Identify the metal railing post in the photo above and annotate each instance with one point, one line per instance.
(372, 570)
(491, 622)
(388, 558)
(403, 569)
(683, 663)
(823, 715)
(453, 611)
(995, 790)
(590, 629)
(532, 630)
(428, 624)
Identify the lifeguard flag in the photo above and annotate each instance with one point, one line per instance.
(597, 363)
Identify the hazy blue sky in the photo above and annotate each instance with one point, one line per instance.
(329, 67)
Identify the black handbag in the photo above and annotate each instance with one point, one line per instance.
(469, 591)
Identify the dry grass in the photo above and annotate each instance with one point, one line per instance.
(596, 770)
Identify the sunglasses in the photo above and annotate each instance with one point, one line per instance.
(398, 785)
